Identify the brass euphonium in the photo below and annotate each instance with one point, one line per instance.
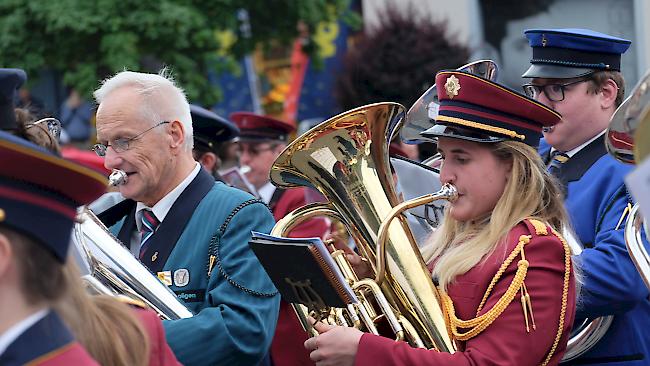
(346, 159)
(109, 268)
(627, 140)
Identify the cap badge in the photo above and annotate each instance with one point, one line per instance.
(2, 215)
(544, 40)
(452, 86)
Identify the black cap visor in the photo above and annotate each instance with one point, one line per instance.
(461, 133)
(546, 71)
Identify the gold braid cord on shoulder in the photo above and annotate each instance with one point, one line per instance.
(478, 324)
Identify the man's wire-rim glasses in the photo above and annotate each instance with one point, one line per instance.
(554, 91)
(122, 144)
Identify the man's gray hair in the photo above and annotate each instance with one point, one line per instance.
(162, 99)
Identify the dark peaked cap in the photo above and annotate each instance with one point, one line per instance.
(256, 127)
(573, 52)
(210, 129)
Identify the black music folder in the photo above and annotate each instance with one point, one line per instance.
(303, 271)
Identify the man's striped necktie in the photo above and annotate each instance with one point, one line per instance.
(148, 228)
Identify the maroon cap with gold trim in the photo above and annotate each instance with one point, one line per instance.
(476, 109)
(40, 192)
(255, 127)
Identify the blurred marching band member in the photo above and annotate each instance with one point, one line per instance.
(104, 326)
(37, 211)
(210, 132)
(262, 139)
(505, 276)
(577, 73)
(189, 230)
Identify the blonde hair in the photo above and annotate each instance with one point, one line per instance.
(459, 246)
(107, 328)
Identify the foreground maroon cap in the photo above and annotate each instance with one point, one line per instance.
(255, 127)
(40, 192)
(476, 109)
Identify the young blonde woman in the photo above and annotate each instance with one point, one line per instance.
(504, 274)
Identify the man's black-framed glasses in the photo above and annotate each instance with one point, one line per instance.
(554, 91)
(122, 144)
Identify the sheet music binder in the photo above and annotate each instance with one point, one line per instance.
(302, 270)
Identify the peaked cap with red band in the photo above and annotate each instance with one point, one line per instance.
(255, 127)
(40, 192)
(476, 109)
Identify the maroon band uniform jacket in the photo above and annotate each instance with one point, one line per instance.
(287, 348)
(506, 341)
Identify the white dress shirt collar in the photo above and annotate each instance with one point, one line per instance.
(266, 192)
(15, 331)
(577, 149)
(161, 209)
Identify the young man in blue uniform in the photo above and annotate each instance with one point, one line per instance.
(39, 194)
(189, 230)
(577, 73)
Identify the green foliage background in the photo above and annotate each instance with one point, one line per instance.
(88, 40)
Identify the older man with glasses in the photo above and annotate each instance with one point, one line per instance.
(187, 229)
(577, 73)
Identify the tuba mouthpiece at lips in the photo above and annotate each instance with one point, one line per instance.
(117, 177)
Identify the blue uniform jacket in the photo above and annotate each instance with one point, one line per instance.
(47, 342)
(596, 199)
(201, 250)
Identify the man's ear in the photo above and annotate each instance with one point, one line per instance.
(609, 91)
(177, 133)
(208, 160)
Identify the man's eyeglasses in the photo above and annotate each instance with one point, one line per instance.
(554, 92)
(122, 144)
(52, 125)
(255, 150)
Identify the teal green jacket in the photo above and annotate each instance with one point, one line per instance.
(205, 259)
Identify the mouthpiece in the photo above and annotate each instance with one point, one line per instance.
(117, 177)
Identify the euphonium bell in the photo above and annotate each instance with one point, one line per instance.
(110, 269)
(346, 159)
